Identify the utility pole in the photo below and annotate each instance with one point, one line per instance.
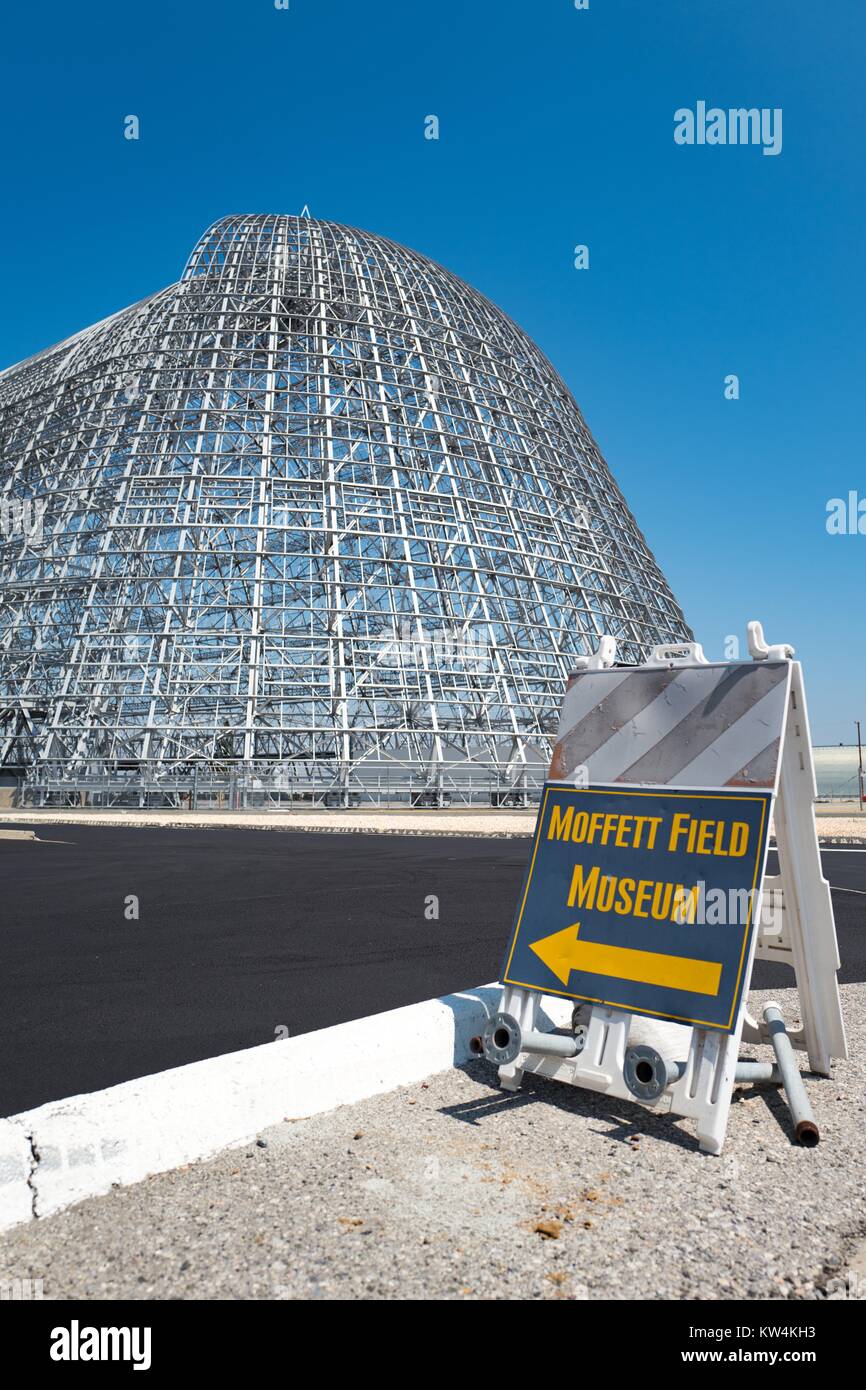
(860, 789)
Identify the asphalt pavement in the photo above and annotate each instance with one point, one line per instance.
(126, 951)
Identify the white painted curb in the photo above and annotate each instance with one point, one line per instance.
(70, 1149)
(16, 1164)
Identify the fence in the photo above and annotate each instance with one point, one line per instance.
(277, 786)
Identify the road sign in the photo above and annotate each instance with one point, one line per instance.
(642, 900)
(643, 894)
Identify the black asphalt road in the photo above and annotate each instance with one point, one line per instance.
(242, 933)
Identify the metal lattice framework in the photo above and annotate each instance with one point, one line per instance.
(319, 502)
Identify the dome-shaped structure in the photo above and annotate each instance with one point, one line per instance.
(315, 511)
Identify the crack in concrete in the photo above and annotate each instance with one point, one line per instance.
(35, 1158)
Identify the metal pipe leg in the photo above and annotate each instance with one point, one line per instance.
(503, 1040)
(756, 1071)
(805, 1127)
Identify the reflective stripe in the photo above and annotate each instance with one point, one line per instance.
(700, 726)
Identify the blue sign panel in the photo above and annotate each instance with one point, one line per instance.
(642, 900)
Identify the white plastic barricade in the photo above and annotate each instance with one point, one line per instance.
(646, 895)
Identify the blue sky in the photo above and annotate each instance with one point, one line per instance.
(556, 128)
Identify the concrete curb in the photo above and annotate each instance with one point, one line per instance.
(16, 1166)
(62, 1152)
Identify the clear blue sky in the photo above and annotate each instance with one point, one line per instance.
(556, 129)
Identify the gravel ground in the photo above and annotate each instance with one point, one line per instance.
(455, 1189)
(841, 827)
(463, 820)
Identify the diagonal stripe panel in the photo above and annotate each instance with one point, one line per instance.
(749, 737)
(760, 771)
(737, 694)
(678, 696)
(703, 725)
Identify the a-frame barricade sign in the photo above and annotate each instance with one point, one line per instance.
(646, 894)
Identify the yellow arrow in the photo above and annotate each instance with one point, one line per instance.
(562, 953)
